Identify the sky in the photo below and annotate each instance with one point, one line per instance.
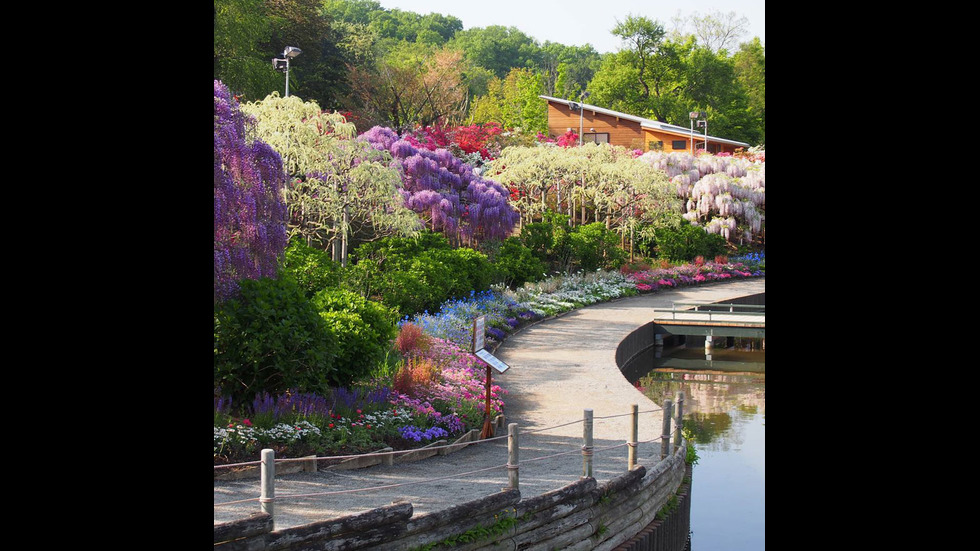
(580, 22)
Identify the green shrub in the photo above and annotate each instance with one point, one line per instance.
(538, 237)
(549, 241)
(310, 267)
(363, 329)
(687, 242)
(465, 270)
(515, 264)
(594, 247)
(270, 339)
(412, 275)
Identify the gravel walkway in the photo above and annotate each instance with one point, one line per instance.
(558, 368)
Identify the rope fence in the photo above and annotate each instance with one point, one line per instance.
(268, 498)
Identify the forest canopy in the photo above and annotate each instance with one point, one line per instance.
(405, 70)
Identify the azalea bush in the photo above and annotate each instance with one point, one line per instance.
(698, 272)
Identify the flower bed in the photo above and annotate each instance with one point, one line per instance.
(700, 272)
(439, 388)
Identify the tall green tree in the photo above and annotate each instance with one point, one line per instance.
(719, 30)
(568, 69)
(750, 70)
(514, 102)
(240, 26)
(711, 84)
(317, 73)
(646, 76)
(498, 48)
(412, 85)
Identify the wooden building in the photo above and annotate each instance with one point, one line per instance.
(606, 126)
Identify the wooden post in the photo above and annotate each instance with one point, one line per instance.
(587, 444)
(665, 433)
(679, 420)
(513, 463)
(634, 436)
(487, 426)
(268, 494)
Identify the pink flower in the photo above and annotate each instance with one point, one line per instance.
(247, 423)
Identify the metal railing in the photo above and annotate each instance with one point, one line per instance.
(731, 307)
(712, 315)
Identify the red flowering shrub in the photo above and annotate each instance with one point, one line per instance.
(568, 139)
(411, 340)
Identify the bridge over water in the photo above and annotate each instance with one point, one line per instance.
(706, 319)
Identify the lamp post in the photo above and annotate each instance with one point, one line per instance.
(581, 114)
(282, 63)
(696, 116)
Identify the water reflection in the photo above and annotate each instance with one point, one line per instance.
(724, 410)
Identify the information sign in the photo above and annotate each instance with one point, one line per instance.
(479, 333)
(492, 360)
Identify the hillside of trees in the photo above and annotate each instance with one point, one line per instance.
(404, 70)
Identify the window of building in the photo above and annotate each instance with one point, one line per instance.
(599, 137)
(678, 144)
(657, 145)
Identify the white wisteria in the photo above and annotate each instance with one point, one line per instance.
(725, 195)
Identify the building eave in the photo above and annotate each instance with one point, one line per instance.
(648, 124)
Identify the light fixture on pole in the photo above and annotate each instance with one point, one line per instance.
(282, 63)
(702, 119)
(581, 114)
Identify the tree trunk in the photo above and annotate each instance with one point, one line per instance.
(343, 245)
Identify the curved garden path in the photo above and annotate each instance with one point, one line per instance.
(558, 368)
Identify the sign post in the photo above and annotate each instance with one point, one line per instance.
(479, 350)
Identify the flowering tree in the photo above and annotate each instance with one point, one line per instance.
(725, 195)
(447, 193)
(339, 186)
(604, 182)
(249, 214)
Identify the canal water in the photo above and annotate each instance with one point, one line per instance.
(725, 410)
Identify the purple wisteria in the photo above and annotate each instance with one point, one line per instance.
(249, 213)
(446, 192)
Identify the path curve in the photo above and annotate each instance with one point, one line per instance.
(558, 368)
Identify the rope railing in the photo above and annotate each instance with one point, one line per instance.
(554, 427)
(587, 450)
(370, 454)
(627, 414)
(403, 452)
(387, 486)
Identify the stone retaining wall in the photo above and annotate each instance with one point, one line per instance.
(581, 516)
